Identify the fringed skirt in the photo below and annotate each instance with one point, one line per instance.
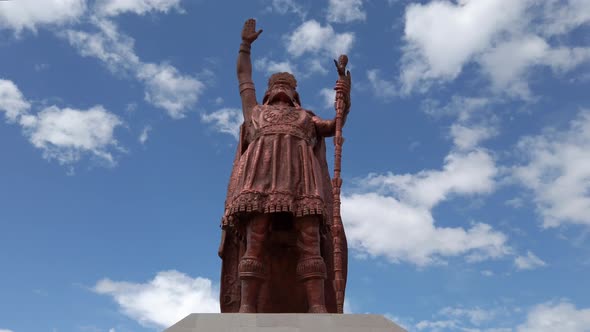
(278, 173)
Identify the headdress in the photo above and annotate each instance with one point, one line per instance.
(284, 78)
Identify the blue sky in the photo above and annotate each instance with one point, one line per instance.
(466, 166)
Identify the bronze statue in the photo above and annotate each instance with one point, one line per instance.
(283, 246)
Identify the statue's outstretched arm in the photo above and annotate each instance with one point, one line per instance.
(244, 68)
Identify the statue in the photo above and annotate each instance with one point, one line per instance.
(282, 248)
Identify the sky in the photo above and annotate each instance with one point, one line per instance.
(466, 165)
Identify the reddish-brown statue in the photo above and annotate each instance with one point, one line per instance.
(283, 246)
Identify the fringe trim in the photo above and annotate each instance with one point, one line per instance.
(276, 202)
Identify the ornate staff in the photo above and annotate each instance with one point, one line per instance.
(342, 89)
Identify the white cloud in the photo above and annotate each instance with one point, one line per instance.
(560, 316)
(225, 120)
(468, 137)
(550, 317)
(143, 137)
(30, 14)
(344, 11)
(506, 38)
(420, 241)
(381, 88)
(466, 109)
(311, 37)
(402, 204)
(165, 86)
(328, 97)
(2, 330)
(63, 134)
(437, 326)
(464, 173)
(140, 7)
(66, 134)
(529, 262)
(431, 54)
(164, 300)
(271, 66)
(564, 16)
(487, 273)
(168, 89)
(475, 315)
(508, 63)
(557, 171)
(12, 101)
(286, 6)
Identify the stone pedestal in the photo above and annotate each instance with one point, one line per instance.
(284, 323)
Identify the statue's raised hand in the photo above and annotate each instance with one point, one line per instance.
(249, 33)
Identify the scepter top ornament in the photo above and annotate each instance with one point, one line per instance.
(343, 60)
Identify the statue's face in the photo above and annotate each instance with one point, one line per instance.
(282, 93)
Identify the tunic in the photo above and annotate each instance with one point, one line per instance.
(279, 171)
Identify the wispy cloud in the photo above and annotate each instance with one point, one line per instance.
(529, 262)
(225, 120)
(165, 86)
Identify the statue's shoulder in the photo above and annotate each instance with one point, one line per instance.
(258, 108)
(309, 112)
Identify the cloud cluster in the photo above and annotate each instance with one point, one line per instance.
(30, 14)
(561, 316)
(345, 11)
(270, 66)
(544, 317)
(64, 134)
(165, 86)
(286, 6)
(312, 37)
(505, 38)
(557, 171)
(164, 300)
(392, 215)
(225, 120)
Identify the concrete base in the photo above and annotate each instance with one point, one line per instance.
(284, 323)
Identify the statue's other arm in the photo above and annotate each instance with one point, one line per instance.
(244, 68)
(327, 128)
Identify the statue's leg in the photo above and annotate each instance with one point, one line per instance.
(251, 268)
(311, 269)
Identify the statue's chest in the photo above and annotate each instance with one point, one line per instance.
(289, 121)
(271, 116)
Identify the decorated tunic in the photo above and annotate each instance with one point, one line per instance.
(281, 168)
